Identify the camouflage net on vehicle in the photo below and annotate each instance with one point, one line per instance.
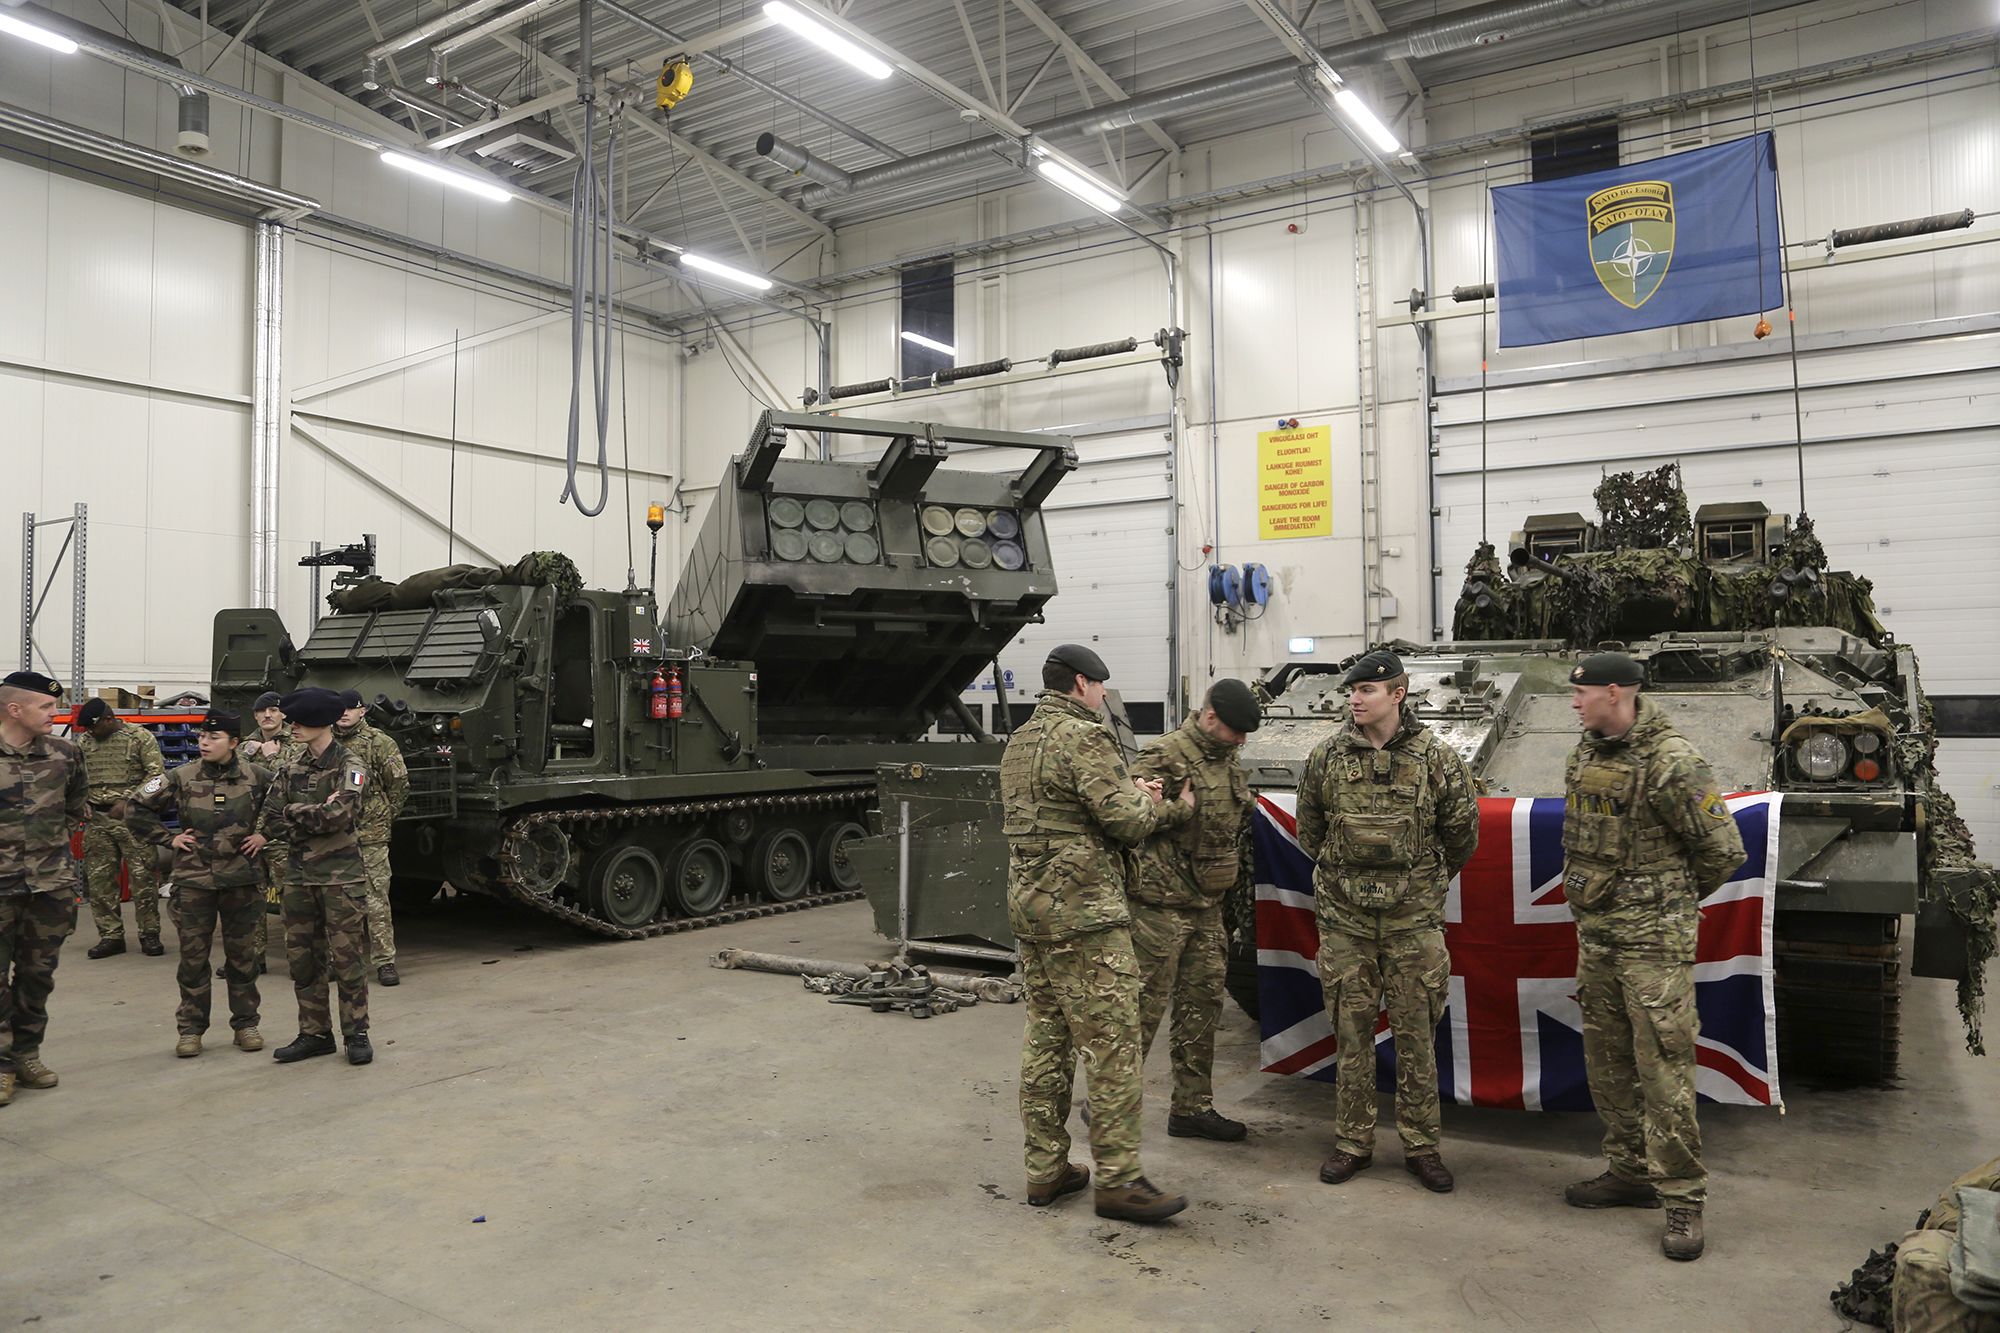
(535, 569)
(1642, 510)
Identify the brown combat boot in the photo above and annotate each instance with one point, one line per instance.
(1429, 1168)
(249, 1039)
(1682, 1239)
(1043, 1193)
(1138, 1202)
(1340, 1168)
(6, 1086)
(1611, 1190)
(32, 1072)
(188, 1046)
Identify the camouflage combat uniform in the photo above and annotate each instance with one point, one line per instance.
(1387, 829)
(1645, 836)
(212, 879)
(1176, 891)
(1070, 810)
(267, 752)
(117, 765)
(316, 804)
(1921, 1300)
(381, 801)
(43, 795)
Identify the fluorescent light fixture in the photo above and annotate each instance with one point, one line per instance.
(754, 281)
(1098, 196)
(28, 32)
(931, 343)
(458, 180)
(826, 39)
(1364, 120)
(1302, 645)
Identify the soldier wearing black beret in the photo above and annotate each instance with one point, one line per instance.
(39, 883)
(120, 758)
(1180, 877)
(313, 805)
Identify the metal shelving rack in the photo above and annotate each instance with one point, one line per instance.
(31, 605)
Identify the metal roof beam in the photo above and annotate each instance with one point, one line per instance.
(1079, 57)
(1371, 18)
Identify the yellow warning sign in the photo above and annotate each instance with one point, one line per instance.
(1295, 483)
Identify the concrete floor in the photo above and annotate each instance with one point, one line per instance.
(653, 1143)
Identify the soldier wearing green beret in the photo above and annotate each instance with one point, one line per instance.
(1070, 810)
(47, 795)
(1179, 879)
(1646, 836)
(1388, 813)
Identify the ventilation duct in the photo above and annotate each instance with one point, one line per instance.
(529, 145)
(192, 140)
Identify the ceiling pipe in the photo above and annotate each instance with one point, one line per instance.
(1485, 26)
(728, 66)
(273, 204)
(432, 29)
(802, 163)
(499, 23)
(419, 103)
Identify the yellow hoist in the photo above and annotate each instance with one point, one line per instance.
(676, 77)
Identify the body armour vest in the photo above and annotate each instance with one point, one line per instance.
(1197, 863)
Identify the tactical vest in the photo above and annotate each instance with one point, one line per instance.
(1034, 805)
(1381, 813)
(1609, 827)
(1210, 841)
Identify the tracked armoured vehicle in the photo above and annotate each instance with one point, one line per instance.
(633, 773)
(1777, 670)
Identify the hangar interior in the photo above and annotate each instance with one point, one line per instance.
(285, 277)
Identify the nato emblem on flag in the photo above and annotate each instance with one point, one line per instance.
(1687, 237)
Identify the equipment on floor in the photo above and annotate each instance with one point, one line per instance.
(631, 773)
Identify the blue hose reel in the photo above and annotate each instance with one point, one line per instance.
(1249, 587)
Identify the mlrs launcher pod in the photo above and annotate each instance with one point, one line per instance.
(571, 752)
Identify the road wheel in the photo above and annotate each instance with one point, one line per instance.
(698, 876)
(626, 886)
(781, 864)
(836, 872)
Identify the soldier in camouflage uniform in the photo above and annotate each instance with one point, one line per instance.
(1646, 836)
(119, 757)
(1922, 1298)
(44, 793)
(315, 800)
(1178, 881)
(1388, 813)
(1070, 810)
(381, 801)
(218, 797)
(266, 749)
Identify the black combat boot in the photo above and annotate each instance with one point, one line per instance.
(359, 1052)
(304, 1047)
(1209, 1124)
(150, 946)
(107, 948)
(387, 975)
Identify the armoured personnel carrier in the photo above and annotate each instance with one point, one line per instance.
(1779, 672)
(634, 774)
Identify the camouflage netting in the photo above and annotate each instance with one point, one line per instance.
(535, 569)
(1642, 510)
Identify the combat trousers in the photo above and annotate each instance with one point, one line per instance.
(106, 842)
(1920, 1301)
(1181, 952)
(1410, 972)
(1082, 996)
(196, 911)
(33, 927)
(326, 940)
(381, 924)
(277, 859)
(1639, 1029)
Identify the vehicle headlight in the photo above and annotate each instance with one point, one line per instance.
(1821, 758)
(1867, 742)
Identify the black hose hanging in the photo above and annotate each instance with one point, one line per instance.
(953, 374)
(1091, 352)
(1896, 231)
(856, 390)
(591, 232)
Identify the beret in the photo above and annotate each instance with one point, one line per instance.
(1607, 669)
(312, 707)
(1235, 705)
(1378, 665)
(221, 719)
(1080, 660)
(92, 712)
(350, 698)
(268, 699)
(34, 682)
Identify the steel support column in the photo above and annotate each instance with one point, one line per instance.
(267, 412)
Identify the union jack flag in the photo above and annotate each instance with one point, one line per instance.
(1512, 1035)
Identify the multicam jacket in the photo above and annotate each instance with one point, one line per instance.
(218, 803)
(43, 795)
(315, 804)
(1195, 864)
(268, 750)
(1645, 835)
(119, 762)
(1070, 810)
(388, 781)
(1387, 829)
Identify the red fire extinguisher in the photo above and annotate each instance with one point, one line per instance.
(656, 701)
(676, 706)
